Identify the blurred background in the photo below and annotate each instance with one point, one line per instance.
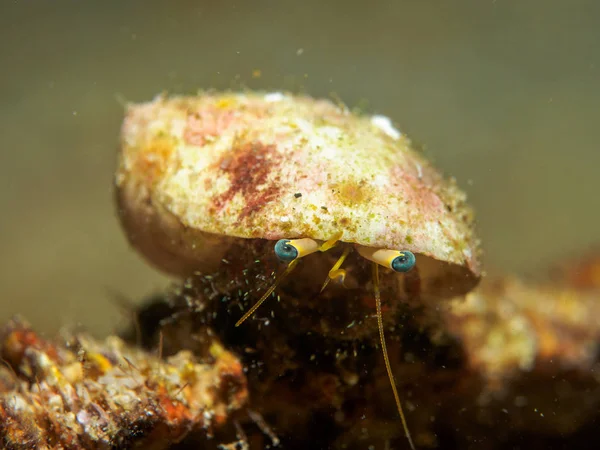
(504, 95)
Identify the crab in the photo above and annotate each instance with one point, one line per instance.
(337, 205)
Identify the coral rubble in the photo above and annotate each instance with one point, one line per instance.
(78, 393)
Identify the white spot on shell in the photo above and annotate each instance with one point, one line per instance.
(384, 123)
(329, 153)
(381, 180)
(331, 132)
(324, 138)
(181, 179)
(419, 170)
(178, 127)
(468, 254)
(285, 219)
(274, 97)
(304, 126)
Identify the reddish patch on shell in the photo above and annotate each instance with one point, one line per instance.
(248, 168)
(415, 191)
(203, 125)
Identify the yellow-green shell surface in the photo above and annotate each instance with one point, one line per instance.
(273, 166)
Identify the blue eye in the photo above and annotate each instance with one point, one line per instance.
(285, 251)
(404, 262)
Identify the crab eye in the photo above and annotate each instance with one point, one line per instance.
(289, 250)
(403, 262)
(392, 259)
(285, 251)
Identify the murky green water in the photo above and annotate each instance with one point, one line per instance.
(505, 95)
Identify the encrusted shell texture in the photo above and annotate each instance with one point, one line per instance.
(275, 165)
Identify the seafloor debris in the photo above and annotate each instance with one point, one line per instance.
(535, 352)
(581, 272)
(78, 393)
(509, 327)
(512, 365)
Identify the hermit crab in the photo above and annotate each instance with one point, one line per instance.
(334, 204)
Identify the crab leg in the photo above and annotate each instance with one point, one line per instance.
(335, 271)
